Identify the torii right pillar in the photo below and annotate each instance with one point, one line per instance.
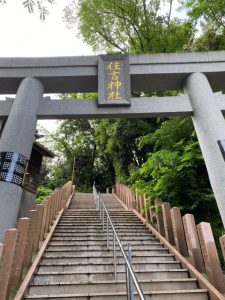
(209, 125)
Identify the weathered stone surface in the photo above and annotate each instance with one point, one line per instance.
(178, 231)
(1, 248)
(222, 244)
(210, 128)
(194, 249)
(159, 217)
(19, 255)
(40, 209)
(32, 215)
(210, 256)
(6, 262)
(167, 222)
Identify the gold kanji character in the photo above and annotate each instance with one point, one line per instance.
(116, 65)
(113, 65)
(114, 75)
(113, 84)
(114, 95)
(109, 66)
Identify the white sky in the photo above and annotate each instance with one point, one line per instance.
(24, 35)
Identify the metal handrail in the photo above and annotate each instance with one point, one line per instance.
(130, 276)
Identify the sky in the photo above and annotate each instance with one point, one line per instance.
(24, 35)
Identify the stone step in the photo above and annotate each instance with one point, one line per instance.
(121, 235)
(101, 253)
(100, 238)
(84, 222)
(105, 287)
(103, 259)
(101, 267)
(100, 230)
(99, 225)
(99, 248)
(149, 295)
(97, 214)
(83, 277)
(100, 243)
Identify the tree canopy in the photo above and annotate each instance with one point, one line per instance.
(131, 26)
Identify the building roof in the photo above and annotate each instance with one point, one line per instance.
(43, 150)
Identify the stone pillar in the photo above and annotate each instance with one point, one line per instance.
(193, 244)
(168, 222)
(18, 137)
(210, 127)
(178, 231)
(159, 217)
(210, 256)
(1, 127)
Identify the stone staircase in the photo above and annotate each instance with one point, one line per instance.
(77, 264)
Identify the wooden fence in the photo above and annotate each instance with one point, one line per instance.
(21, 244)
(196, 243)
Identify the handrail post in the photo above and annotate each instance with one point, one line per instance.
(103, 219)
(127, 282)
(130, 281)
(107, 224)
(114, 257)
(100, 205)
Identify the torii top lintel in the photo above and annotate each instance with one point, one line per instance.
(149, 72)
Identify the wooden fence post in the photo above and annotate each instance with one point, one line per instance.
(147, 216)
(1, 248)
(49, 199)
(44, 220)
(141, 201)
(222, 245)
(133, 202)
(193, 245)
(52, 195)
(178, 230)
(60, 199)
(19, 254)
(6, 262)
(40, 209)
(210, 256)
(159, 217)
(54, 205)
(32, 215)
(147, 212)
(168, 222)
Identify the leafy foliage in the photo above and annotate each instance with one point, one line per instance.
(133, 26)
(33, 5)
(42, 192)
(210, 12)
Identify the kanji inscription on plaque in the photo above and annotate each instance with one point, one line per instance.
(113, 80)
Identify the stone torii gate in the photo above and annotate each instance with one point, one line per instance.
(195, 73)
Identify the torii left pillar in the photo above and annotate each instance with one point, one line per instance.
(16, 145)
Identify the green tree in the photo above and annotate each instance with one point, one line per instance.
(207, 12)
(117, 139)
(131, 26)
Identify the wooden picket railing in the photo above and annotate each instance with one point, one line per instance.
(193, 245)
(21, 244)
